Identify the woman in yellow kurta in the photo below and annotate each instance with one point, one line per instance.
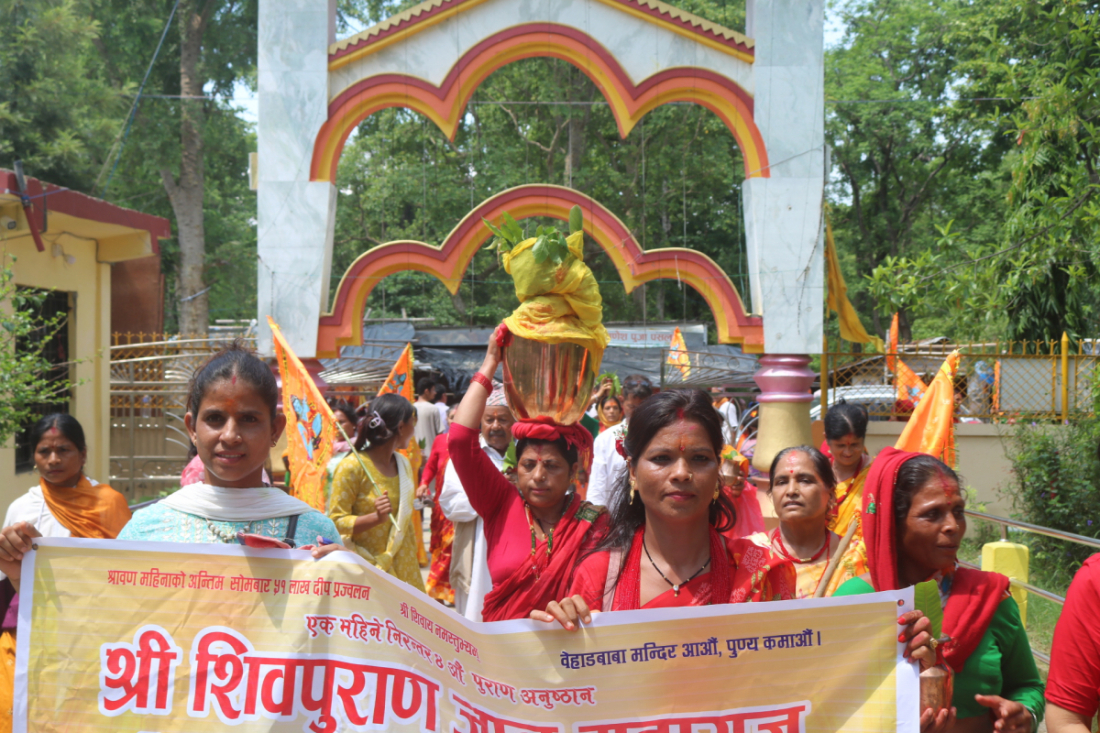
(802, 491)
(845, 432)
(373, 491)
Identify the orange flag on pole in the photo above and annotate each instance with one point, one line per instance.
(931, 429)
(310, 425)
(910, 387)
(677, 354)
(400, 381)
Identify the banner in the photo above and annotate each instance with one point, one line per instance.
(127, 637)
(310, 424)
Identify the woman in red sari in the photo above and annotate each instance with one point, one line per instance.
(534, 535)
(664, 546)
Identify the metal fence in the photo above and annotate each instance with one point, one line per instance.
(1004, 523)
(996, 382)
(149, 377)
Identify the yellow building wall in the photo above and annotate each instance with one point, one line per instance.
(89, 341)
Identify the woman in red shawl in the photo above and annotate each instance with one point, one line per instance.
(534, 536)
(664, 546)
(913, 522)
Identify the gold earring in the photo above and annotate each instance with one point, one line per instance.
(634, 488)
(717, 491)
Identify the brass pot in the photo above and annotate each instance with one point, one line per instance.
(937, 688)
(551, 381)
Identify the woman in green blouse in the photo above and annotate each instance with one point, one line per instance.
(913, 522)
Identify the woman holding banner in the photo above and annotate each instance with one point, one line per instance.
(233, 420)
(369, 489)
(664, 546)
(534, 535)
(913, 523)
(802, 489)
(65, 503)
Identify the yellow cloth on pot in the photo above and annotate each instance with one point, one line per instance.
(558, 303)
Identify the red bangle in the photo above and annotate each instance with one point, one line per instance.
(483, 380)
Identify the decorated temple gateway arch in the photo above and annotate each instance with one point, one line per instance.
(766, 85)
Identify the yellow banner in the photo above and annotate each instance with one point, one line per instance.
(127, 636)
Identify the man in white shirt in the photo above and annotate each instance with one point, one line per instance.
(427, 416)
(441, 405)
(607, 464)
(469, 555)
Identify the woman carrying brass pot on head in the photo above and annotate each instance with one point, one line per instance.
(913, 522)
(535, 534)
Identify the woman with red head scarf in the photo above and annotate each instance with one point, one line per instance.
(533, 535)
(913, 522)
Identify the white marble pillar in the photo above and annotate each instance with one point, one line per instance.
(294, 236)
(783, 212)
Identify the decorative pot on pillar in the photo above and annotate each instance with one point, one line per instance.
(785, 397)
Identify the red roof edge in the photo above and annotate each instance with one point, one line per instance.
(83, 206)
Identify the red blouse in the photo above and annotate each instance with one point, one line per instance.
(1074, 681)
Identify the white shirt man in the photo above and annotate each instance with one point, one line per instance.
(607, 464)
(457, 508)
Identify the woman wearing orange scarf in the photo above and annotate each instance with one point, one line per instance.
(65, 503)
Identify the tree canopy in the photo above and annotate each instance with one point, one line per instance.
(963, 146)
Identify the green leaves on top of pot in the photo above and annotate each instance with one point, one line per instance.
(508, 235)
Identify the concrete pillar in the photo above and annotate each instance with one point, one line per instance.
(294, 235)
(784, 381)
(783, 213)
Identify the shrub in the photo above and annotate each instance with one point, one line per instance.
(1057, 485)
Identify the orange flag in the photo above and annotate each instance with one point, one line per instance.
(310, 425)
(931, 429)
(677, 354)
(400, 381)
(910, 387)
(891, 352)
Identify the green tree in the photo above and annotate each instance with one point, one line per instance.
(1035, 274)
(27, 378)
(907, 159)
(58, 110)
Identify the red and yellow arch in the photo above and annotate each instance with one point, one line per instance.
(446, 103)
(448, 262)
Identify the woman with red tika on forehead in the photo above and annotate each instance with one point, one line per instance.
(802, 489)
(664, 547)
(534, 535)
(913, 523)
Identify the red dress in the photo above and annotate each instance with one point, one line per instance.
(740, 572)
(1074, 681)
(524, 578)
